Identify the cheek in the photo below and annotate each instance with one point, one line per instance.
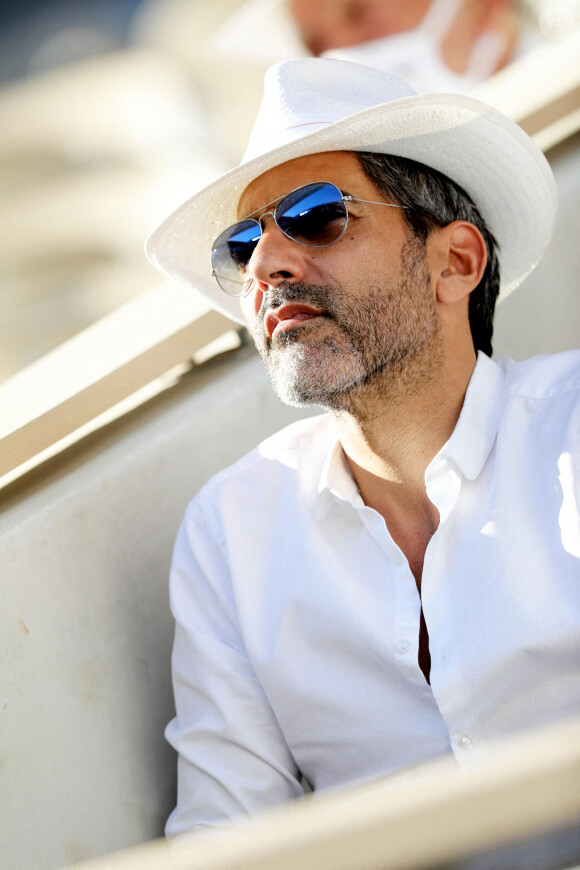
(250, 305)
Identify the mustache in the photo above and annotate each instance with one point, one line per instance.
(318, 296)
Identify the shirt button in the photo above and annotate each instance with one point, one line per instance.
(465, 743)
(404, 646)
(398, 559)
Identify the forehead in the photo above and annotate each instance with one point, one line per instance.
(340, 167)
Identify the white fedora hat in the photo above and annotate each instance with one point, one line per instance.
(312, 105)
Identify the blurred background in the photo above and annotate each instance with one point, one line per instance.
(114, 111)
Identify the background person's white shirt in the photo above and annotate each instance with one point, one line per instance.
(298, 616)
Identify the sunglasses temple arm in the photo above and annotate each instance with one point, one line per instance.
(349, 198)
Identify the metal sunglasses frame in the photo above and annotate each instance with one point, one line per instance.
(345, 197)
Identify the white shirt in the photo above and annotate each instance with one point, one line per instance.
(297, 616)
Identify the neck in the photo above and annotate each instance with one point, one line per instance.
(393, 430)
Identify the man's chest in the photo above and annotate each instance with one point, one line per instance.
(332, 624)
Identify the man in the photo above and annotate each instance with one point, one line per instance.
(397, 579)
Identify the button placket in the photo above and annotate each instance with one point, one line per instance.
(407, 599)
(406, 631)
(403, 645)
(465, 743)
(443, 484)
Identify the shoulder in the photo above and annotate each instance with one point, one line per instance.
(541, 407)
(304, 442)
(551, 376)
(291, 460)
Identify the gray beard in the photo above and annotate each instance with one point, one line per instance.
(380, 337)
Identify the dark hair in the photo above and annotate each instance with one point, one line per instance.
(434, 201)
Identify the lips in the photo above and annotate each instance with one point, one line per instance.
(288, 316)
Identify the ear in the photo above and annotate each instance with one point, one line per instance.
(461, 262)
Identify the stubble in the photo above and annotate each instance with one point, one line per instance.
(383, 339)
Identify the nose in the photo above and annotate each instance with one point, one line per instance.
(276, 258)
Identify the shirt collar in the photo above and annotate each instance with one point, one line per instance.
(468, 447)
(474, 435)
(336, 478)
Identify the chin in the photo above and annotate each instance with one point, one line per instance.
(305, 376)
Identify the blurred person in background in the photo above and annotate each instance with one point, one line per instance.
(435, 45)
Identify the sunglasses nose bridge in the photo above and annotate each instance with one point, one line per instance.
(275, 256)
(266, 214)
(263, 227)
(261, 223)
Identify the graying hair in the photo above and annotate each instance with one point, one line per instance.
(433, 200)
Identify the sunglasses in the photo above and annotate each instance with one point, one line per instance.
(314, 215)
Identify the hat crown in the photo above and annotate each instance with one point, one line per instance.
(307, 94)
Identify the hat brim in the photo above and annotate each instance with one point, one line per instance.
(487, 154)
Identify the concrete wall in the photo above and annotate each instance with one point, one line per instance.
(543, 315)
(85, 545)
(85, 626)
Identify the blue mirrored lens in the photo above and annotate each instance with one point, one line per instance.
(313, 215)
(231, 254)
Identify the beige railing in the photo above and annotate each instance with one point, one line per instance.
(104, 371)
(522, 788)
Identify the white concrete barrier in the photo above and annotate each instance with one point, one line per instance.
(86, 631)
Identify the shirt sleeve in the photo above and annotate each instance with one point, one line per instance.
(232, 756)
